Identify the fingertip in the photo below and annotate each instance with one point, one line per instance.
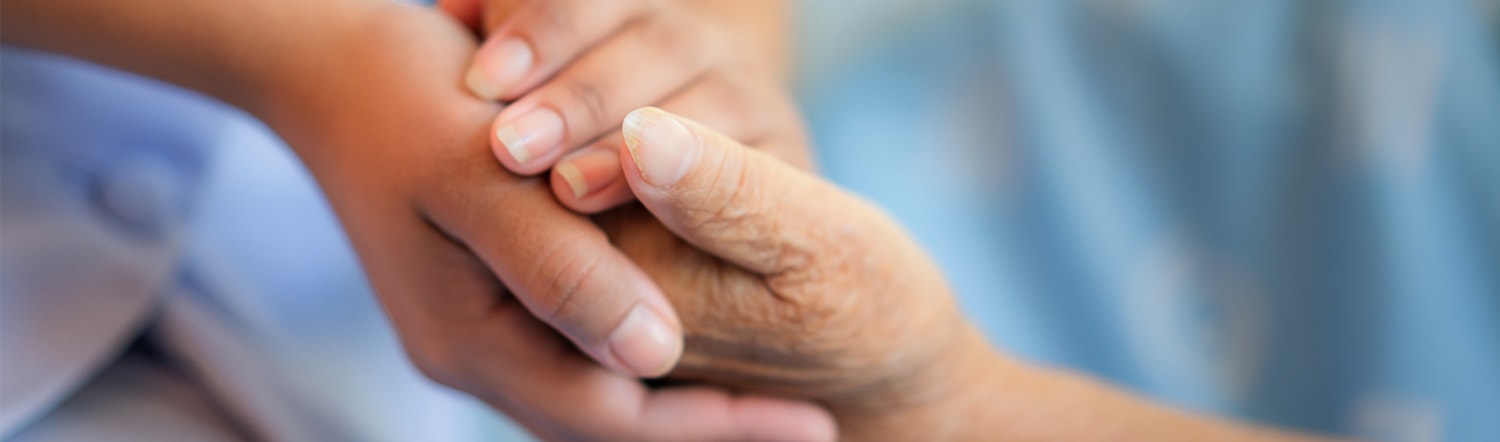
(498, 67)
(646, 343)
(662, 145)
(573, 178)
(527, 141)
(479, 84)
(591, 180)
(615, 195)
(642, 335)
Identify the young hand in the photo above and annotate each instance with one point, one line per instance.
(575, 67)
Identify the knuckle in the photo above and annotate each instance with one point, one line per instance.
(729, 204)
(591, 103)
(561, 273)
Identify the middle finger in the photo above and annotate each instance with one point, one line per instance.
(664, 53)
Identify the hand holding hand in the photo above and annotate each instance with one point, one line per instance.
(473, 264)
(575, 67)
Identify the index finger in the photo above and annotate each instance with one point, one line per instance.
(560, 266)
(531, 42)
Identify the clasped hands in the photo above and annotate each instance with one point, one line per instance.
(785, 305)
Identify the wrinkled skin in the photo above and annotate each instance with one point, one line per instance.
(871, 334)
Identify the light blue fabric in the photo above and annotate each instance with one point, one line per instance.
(131, 207)
(1287, 211)
(100, 172)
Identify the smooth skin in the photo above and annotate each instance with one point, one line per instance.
(476, 267)
(789, 285)
(561, 64)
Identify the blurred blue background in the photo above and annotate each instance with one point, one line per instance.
(1285, 211)
(1278, 210)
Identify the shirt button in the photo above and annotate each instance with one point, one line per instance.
(141, 195)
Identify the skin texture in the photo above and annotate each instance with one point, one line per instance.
(780, 334)
(788, 285)
(718, 61)
(478, 269)
(816, 296)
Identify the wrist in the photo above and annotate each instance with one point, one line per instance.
(977, 375)
(1011, 400)
(947, 401)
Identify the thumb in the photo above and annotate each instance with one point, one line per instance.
(732, 201)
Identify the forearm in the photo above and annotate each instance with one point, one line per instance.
(235, 50)
(1009, 400)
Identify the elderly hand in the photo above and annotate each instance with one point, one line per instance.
(788, 285)
(803, 291)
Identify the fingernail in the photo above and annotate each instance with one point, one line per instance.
(661, 146)
(531, 135)
(498, 68)
(589, 170)
(644, 343)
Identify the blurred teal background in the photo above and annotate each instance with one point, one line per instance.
(1284, 211)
